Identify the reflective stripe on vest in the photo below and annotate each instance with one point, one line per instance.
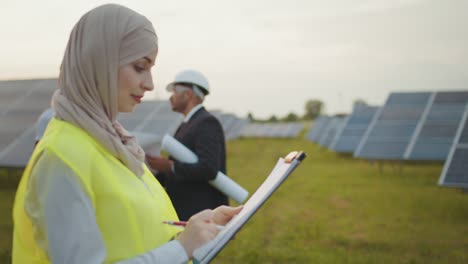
(129, 213)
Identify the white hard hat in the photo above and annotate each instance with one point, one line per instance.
(193, 77)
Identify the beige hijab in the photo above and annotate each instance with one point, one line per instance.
(105, 38)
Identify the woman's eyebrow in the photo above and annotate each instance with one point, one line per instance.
(148, 59)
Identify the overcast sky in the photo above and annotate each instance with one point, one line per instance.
(267, 56)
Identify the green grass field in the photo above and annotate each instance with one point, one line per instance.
(333, 209)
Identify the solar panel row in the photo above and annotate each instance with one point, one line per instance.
(232, 125)
(22, 101)
(410, 126)
(277, 130)
(417, 126)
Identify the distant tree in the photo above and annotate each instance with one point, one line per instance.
(250, 117)
(359, 102)
(273, 119)
(291, 117)
(313, 108)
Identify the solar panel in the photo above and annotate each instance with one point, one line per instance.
(272, 130)
(334, 127)
(293, 129)
(455, 171)
(229, 122)
(434, 135)
(463, 139)
(17, 154)
(347, 141)
(317, 127)
(13, 92)
(391, 130)
(226, 121)
(252, 130)
(285, 130)
(236, 128)
(232, 125)
(21, 103)
(269, 130)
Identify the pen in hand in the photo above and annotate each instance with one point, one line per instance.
(184, 223)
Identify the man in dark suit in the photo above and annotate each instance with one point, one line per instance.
(187, 184)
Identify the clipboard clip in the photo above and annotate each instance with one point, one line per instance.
(295, 155)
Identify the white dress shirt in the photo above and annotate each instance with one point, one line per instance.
(192, 112)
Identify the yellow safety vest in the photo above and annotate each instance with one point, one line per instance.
(128, 213)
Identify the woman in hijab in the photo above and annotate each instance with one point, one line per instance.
(86, 195)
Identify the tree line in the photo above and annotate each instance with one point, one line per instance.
(312, 109)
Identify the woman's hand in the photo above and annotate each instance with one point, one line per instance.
(200, 230)
(223, 214)
(202, 227)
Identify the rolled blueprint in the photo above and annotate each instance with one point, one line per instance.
(178, 150)
(222, 182)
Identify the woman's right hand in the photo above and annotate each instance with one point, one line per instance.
(200, 230)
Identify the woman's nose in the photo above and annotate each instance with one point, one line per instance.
(148, 83)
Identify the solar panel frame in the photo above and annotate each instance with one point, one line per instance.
(454, 164)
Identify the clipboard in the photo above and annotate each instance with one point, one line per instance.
(283, 168)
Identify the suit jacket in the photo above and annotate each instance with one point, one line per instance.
(188, 186)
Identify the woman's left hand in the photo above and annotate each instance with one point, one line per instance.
(223, 214)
